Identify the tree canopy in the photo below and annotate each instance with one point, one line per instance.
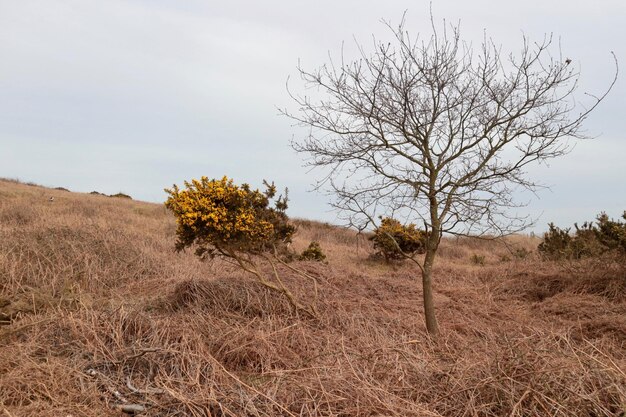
(432, 130)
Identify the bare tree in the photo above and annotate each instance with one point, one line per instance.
(437, 131)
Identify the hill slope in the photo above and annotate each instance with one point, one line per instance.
(99, 312)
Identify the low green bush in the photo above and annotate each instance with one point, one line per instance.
(313, 252)
(588, 240)
(611, 233)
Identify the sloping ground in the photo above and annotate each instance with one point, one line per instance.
(98, 312)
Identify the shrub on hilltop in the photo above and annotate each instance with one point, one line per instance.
(121, 195)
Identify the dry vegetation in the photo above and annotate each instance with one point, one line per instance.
(99, 311)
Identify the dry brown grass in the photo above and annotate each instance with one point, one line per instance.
(99, 311)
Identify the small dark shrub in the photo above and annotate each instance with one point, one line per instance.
(393, 240)
(521, 253)
(313, 253)
(585, 242)
(478, 259)
(556, 243)
(121, 195)
(61, 189)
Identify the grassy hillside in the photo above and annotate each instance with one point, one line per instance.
(98, 311)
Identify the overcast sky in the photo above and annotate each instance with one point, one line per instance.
(134, 96)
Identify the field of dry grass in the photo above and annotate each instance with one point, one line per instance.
(98, 312)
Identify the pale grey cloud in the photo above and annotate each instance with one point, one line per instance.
(135, 95)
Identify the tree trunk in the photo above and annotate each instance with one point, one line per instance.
(429, 306)
(432, 245)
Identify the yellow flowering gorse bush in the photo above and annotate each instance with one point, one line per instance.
(247, 227)
(222, 218)
(393, 240)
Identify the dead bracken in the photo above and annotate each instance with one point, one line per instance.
(111, 319)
